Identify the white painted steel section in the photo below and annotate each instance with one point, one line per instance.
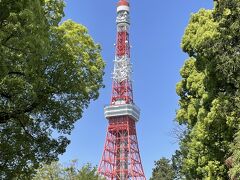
(123, 28)
(122, 110)
(122, 66)
(123, 8)
(122, 69)
(123, 17)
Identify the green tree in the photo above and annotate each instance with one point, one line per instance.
(49, 73)
(163, 170)
(209, 92)
(234, 163)
(177, 161)
(56, 171)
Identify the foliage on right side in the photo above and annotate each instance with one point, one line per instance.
(210, 95)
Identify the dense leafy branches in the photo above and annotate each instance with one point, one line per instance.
(57, 171)
(209, 93)
(234, 160)
(163, 170)
(48, 75)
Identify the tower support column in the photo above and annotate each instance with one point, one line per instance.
(121, 157)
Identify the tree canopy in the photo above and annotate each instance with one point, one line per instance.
(49, 74)
(57, 171)
(209, 94)
(163, 170)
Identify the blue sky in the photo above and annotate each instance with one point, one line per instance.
(156, 30)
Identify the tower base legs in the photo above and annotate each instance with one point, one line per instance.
(121, 157)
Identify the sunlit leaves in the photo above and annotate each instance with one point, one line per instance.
(49, 74)
(209, 92)
(57, 171)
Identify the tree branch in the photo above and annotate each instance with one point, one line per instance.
(13, 48)
(25, 130)
(4, 117)
(5, 95)
(7, 39)
(21, 50)
(16, 73)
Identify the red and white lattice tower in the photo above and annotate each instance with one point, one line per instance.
(121, 157)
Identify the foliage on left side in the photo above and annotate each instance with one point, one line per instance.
(57, 171)
(49, 73)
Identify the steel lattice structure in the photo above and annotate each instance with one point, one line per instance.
(121, 157)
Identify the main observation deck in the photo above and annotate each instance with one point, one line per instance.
(122, 110)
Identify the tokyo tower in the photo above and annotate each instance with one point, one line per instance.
(121, 157)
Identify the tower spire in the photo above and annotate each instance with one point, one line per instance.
(121, 157)
(122, 73)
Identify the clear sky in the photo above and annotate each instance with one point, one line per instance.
(156, 30)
